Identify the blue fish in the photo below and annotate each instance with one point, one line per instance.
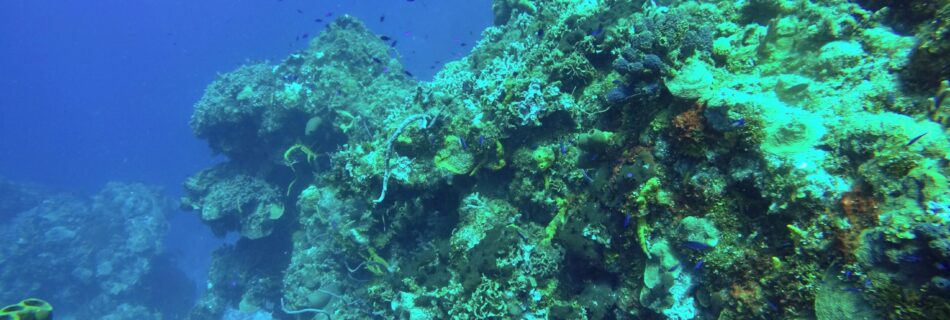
(699, 264)
(563, 148)
(626, 220)
(867, 283)
(695, 245)
(481, 141)
(599, 31)
(584, 172)
(738, 123)
(673, 268)
(462, 143)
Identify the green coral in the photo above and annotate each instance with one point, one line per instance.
(453, 158)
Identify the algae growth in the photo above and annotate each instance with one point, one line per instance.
(756, 159)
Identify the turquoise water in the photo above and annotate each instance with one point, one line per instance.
(761, 159)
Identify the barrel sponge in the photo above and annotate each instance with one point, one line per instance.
(32, 309)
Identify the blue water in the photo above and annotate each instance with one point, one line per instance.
(99, 91)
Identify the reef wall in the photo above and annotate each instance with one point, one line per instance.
(591, 160)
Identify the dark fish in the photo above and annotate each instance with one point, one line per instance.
(521, 235)
(626, 220)
(384, 38)
(914, 140)
(377, 60)
(584, 172)
(393, 44)
(462, 44)
(317, 20)
(599, 31)
(699, 264)
(617, 82)
(540, 33)
(305, 35)
(739, 123)
(673, 268)
(852, 289)
(695, 245)
(409, 74)
(848, 274)
(563, 148)
(462, 143)
(481, 141)
(329, 14)
(382, 18)
(867, 283)
(299, 11)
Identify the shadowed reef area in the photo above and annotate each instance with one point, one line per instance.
(756, 159)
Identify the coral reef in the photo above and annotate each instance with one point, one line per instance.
(587, 160)
(91, 256)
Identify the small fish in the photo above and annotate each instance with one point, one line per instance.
(299, 11)
(521, 235)
(738, 123)
(540, 33)
(376, 60)
(626, 220)
(382, 18)
(914, 140)
(695, 245)
(318, 20)
(305, 35)
(584, 172)
(867, 283)
(912, 258)
(598, 31)
(462, 143)
(384, 38)
(409, 74)
(329, 14)
(481, 141)
(629, 175)
(617, 82)
(563, 148)
(699, 264)
(771, 305)
(393, 45)
(673, 268)
(852, 289)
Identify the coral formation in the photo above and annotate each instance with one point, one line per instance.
(665, 159)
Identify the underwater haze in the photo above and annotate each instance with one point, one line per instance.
(506, 159)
